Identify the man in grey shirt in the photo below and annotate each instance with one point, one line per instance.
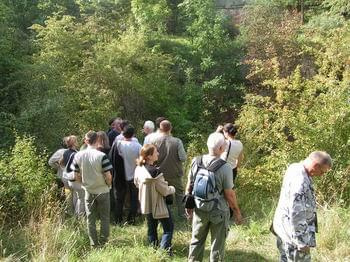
(171, 157)
(215, 220)
(92, 168)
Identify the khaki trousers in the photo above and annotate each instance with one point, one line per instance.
(215, 221)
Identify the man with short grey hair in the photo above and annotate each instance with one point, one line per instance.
(295, 220)
(148, 129)
(93, 169)
(115, 130)
(216, 218)
(153, 136)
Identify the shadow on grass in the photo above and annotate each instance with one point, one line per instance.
(244, 256)
(181, 252)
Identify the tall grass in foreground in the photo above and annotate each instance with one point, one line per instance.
(48, 236)
(334, 234)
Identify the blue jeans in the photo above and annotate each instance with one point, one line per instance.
(168, 229)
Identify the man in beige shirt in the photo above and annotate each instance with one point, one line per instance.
(93, 169)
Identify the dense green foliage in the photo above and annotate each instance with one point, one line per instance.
(91, 60)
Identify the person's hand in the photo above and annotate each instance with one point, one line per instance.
(220, 129)
(305, 249)
(189, 213)
(78, 177)
(238, 217)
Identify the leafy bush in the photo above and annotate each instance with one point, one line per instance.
(11, 191)
(24, 179)
(293, 114)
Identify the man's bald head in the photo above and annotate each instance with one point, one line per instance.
(165, 126)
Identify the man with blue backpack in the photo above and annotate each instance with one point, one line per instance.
(210, 196)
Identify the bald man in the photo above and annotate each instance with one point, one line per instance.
(295, 220)
(172, 155)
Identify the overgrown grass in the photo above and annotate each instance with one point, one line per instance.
(50, 237)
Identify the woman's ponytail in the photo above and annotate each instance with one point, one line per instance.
(146, 151)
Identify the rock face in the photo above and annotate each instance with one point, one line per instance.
(233, 8)
(230, 4)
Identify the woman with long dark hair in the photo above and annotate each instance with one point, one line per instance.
(234, 151)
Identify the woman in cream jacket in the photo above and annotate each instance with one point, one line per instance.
(152, 192)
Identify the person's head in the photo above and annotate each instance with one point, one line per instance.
(123, 124)
(148, 127)
(230, 130)
(318, 163)
(128, 131)
(216, 144)
(220, 129)
(64, 142)
(102, 140)
(117, 124)
(159, 120)
(148, 155)
(90, 137)
(72, 142)
(111, 122)
(165, 127)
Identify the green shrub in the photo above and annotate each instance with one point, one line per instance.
(292, 111)
(24, 179)
(11, 191)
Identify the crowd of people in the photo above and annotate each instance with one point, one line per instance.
(113, 173)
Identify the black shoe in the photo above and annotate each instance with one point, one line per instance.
(131, 222)
(118, 221)
(170, 252)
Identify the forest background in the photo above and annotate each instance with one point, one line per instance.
(282, 74)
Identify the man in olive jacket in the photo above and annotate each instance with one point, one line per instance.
(171, 157)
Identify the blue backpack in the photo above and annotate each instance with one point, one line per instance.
(205, 192)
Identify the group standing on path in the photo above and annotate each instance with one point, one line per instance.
(113, 165)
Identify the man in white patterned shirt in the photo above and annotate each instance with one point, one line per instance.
(295, 220)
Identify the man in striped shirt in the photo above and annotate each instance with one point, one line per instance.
(93, 169)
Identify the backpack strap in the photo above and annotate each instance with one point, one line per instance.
(216, 164)
(199, 161)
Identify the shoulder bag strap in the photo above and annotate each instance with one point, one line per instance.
(69, 160)
(228, 151)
